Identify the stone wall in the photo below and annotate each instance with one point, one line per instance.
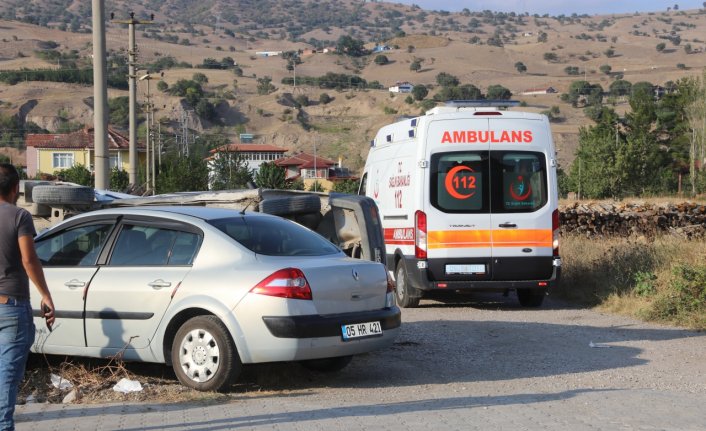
(592, 219)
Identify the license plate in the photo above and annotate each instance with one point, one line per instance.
(361, 330)
(465, 269)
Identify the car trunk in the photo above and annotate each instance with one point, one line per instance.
(341, 285)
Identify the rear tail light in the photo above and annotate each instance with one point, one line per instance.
(420, 235)
(285, 283)
(390, 282)
(555, 233)
(390, 295)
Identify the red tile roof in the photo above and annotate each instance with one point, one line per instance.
(305, 161)
(253, 148)
(79, 139)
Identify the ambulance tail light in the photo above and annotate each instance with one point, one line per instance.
(555, 233)
(420, 235)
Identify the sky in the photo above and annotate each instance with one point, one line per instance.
(556, 7)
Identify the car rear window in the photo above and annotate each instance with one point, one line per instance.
(274, 236)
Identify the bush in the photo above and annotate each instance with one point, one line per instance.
(119, 180)
(302, 100)
(325, 98)
(381, 60)
(78, 174)
(550, 57)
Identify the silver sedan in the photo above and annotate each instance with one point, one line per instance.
(206, 290)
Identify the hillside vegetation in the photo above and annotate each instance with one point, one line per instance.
(245, 92)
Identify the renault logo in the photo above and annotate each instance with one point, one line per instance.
(356, 276)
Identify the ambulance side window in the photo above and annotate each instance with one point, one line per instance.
(363, 184)
(523, 176)
(459, 182)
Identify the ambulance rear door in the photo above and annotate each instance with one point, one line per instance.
(457, 200)
(523, 197)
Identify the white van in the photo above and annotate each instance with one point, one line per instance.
(468, 199)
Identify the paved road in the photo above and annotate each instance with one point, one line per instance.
(456, 367)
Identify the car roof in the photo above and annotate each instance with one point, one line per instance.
(200, 212)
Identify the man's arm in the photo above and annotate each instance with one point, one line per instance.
(34, 270)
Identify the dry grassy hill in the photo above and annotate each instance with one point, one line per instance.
(345, 126)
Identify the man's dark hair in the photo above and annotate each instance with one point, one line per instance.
(9, 178)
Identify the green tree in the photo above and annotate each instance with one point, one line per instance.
(180, 173)
(119, 180)
(264, 85)
(550, 57)
(661, 46)
(346, 186)
(162, 86)
(610, 52)
(199, 78)
(316, 187)
(498, 92)
(206, 110)
(119, 108)
(419, 92)
(350, 46)
(620, 87)
(605, 68)
(271, 176)
(229, 170)
(78, 174)
(295, 184)
(415, 66)
(325, 99)
(520, 66)
(381, 60)
(446, 80)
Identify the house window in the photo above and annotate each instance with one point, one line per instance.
(310, 173)
(115, 161)
(62, 160)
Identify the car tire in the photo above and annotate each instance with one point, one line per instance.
(328, 365)
(309, 220)
(291, 205)
(63, 195)
(204, 356)
(407, 296)
(530, 297)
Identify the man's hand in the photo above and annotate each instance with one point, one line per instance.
(48, 311)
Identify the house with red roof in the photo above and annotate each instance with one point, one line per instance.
(314, 169)
(52, 152)
(254, 154)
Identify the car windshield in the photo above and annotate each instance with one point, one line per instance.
(274, 236)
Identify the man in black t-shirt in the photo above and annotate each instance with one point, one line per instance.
(18, 264)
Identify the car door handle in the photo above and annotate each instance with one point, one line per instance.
(74, 284)
(507, 225)
(158, 284)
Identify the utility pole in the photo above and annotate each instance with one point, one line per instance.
(149, 122)
(132, 87)
(100, 98)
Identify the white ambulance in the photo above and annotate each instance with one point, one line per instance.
(468, 199)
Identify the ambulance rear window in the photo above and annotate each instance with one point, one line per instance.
(458, 182)
(523, 176)
(478, 181)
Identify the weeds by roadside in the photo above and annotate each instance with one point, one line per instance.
(661, 280)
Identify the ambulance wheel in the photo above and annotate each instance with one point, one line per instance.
(405, 293)
(530, 297)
